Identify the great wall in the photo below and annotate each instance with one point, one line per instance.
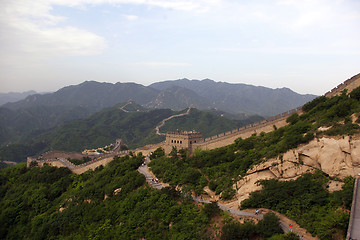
(213, 142)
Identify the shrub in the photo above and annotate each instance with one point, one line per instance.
(211, 209)
(228, 194)
(234, 231)
(355, 94)
(310, 105)
(293, 118)
(269, 225)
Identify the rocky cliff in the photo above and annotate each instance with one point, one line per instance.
(336, 156)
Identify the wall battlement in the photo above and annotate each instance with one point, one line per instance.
(60, 159)
(349, 84)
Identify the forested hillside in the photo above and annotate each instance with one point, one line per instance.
(114, 202)
(135, 128)
(220, 168)
(111, 203)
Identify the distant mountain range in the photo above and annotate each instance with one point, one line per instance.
(176, 95)
(14, 96)
(231, 98)
(130, 122)
(37, 114)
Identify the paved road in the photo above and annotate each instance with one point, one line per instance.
(143, 169)
(283, 225)
(354, 225)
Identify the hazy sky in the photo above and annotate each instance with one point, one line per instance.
(309, 46)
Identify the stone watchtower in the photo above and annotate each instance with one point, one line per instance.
(181, 139)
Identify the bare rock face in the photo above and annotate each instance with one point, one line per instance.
(338, 157)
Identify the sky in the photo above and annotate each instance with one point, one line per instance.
(309, 46)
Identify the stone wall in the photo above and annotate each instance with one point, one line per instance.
(152, 147)
(279, 120)
(349, 84)
(228, 138)
(58, 159)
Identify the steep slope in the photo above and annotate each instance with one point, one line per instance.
(239, 98)
(304, 169)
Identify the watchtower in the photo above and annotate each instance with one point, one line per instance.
(181, 139)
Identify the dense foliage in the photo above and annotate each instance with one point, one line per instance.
(134, 128)
(219, 168)
(267, 227)
(112, 202)
(308, 201)
(52, 203)
(206, 123)
(305, 200)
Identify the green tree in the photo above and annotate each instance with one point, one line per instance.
(269, 225)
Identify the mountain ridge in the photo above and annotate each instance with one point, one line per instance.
(206, 94)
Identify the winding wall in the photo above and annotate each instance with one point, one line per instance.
(267, 125)
(213, 142)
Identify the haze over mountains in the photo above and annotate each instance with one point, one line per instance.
(176, 95)
(42, 119)
(14, 96)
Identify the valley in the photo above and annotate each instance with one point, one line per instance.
(313, 146)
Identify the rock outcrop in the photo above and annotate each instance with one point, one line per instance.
(336, 156)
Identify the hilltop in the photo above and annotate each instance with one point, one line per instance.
(176, 95)
(135, 125)
(37, 113)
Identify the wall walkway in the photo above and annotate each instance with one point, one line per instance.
(354, 224)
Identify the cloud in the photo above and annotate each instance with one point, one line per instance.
(184, 5)
(161, 64)
(28, 27)
(130, 17)
(34, 28)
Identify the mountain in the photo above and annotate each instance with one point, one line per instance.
(14, 96)
(38, 113)
(289, 170)
(176, 95)
(15, 125)
(90, 95)
(177, 98)
(135, 127)
(240, 98)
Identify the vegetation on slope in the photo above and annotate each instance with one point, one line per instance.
(307, 200)
(206, 123)
(111, 202)
(52, 203)
(134, 128)
(220, 168)
(22, 124)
